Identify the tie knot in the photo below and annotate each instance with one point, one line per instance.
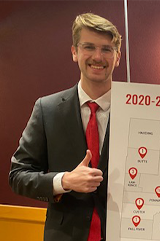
(93, 106)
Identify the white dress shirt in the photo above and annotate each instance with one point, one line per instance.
(102, 116)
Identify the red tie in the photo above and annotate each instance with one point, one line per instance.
(92, 137)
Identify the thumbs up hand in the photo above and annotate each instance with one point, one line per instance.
(83, 178)
(85, 162)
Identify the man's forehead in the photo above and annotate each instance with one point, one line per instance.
(92, 36)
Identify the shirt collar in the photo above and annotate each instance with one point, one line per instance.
(103, 101)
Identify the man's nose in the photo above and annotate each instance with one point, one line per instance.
(97, 55)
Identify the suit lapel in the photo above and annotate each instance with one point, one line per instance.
(103, 162)
(70, 111)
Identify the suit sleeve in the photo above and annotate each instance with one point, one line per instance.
(29, 174)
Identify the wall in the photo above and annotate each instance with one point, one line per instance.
(144, 38)
(35, 60)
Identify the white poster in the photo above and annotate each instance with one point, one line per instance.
(133, 212)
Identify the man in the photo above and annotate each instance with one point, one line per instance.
(57, 159)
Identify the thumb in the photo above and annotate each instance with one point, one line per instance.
(87, 159)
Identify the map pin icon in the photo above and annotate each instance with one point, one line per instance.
(139, 203)
(157, 190)
(133, 172)
(136, 220)
(142, 151)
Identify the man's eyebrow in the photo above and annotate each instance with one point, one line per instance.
(88, 43)
(103, 45)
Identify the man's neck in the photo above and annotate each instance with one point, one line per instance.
(95, 90)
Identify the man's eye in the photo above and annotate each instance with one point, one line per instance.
(89, 47)
(107, 50)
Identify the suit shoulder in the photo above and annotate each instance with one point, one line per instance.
(59, 96)
(50, 101)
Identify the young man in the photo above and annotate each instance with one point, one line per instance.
(63, 153)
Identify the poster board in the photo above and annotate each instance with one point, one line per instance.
(133, 207)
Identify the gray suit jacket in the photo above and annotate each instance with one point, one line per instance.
(54, 141)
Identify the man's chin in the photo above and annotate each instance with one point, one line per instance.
(99, 80)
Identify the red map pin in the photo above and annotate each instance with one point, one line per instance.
(133, 172)
(157, 190)
(142, 151)
(136, 220)
(139, 203)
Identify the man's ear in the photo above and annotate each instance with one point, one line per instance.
(74, 53)
(118, 59)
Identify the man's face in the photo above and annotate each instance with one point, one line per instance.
(95, 63)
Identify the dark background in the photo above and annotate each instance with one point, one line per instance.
(35, 60)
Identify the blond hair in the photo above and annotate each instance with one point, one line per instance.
(97, 24)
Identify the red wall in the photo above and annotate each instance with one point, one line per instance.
(35, 60)
(144, 19)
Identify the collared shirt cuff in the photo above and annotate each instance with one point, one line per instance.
(57, 184)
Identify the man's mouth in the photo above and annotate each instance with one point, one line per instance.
(97, 66)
